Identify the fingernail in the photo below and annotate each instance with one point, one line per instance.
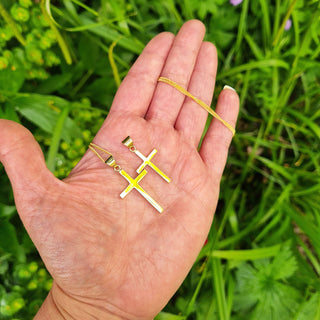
(228, 87)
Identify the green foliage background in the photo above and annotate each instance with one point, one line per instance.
(59, 71)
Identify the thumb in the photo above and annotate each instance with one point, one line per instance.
(24, 163)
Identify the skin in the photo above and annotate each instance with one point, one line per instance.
(120, 259)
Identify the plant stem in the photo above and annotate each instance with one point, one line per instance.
(113, 64)
(280, 31)
(61, 42)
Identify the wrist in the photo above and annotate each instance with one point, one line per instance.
(60, 306)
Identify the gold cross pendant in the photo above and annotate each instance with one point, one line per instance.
(133, 183)
(146, 160)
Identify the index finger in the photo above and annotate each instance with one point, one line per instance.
(136, 90)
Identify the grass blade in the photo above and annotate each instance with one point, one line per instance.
(281, 29)
(254, 65)
(250, 254)
(197, 290)
(56, 138)
(45, 4)
(306, 226)
(311, 124)
(276, 167)
(242, 25)
(219, 288)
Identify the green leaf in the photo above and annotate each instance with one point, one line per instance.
(246, 283)
(307, 226)
(256, 50)
(279, 303)
(221, 31)
(56, 138)
(130, 43)
(222, 38)
(45, 9)
(8, 239)
(11, 303)
(219, 288)
(88, 51)
(12, 77)
(311, 124)
(4, 265)
(192, 302)
(310, 309)
(263, 64)
(7, 211)
(288, 264)
(2, 292)
(101, 90)
(260, 294)
(44, 112)
(54, 83)
(9, 114)
(168, 316)
(79, 3)
(276, 167)
(251, 254)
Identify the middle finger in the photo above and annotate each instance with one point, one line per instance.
(167, 101)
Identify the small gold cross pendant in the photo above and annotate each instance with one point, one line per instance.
(133, 183)
(146, 160)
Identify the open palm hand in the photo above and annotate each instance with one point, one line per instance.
(116, 258)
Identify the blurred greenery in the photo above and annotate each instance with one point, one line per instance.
(59, 71)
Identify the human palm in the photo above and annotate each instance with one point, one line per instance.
(120, 257)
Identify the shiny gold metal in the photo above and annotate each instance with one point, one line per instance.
(111, 162)
(134, 184)
(92, 146)
(146, 160)
(128, 142)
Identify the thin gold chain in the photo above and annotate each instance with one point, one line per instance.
(198, 101)
(92, 146)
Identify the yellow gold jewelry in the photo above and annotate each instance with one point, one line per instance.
(146, 160)
(198, 101)
(133, 183)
